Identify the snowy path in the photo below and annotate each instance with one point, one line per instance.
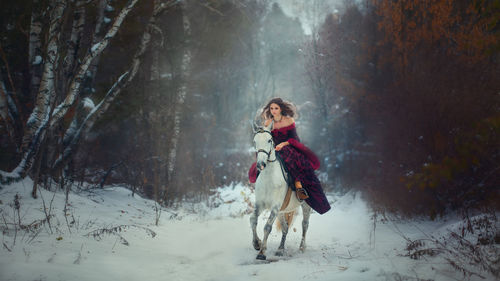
(208, 244)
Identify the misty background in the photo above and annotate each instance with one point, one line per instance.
(398, 99)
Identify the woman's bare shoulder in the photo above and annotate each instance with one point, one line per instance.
(289, 120)
(267, 122)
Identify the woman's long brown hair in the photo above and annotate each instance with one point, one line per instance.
(287, 108)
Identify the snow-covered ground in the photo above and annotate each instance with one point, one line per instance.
(209, 241)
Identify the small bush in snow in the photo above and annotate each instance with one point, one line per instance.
(116, 230)
(471, 248)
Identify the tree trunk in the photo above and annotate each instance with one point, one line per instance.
(95, 51)
(74, 41)
(181, 94)
(73, 139)
(36, 174)
(42, 118)
(5, 113)
(47, 86)
(97, 37)
(37, 123)
(35, 48)
(155, 122)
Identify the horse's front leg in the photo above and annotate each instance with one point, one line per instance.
(284, 218)
(306, 213)
(267, 230)
(253, 223)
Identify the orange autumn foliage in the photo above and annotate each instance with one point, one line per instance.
(463, 28)
(419, 80)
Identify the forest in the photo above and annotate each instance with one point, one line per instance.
(400, 99)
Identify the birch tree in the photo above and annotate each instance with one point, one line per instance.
(74, 43)
(75, 133)
(155, 116)
(97, 36)
(181, 92)
(35, 47)
(46, 93)
(45, 115)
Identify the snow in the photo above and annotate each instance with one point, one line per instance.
(10, 102)
(37, 60)
(71, 131)
(88, 104)
(203, 241)
(16, 172)
(166, 75)
(95, 47)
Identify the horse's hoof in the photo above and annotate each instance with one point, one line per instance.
(261, 257)
(302, 246)
(280, 252)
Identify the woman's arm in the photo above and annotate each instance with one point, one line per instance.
(281, 145)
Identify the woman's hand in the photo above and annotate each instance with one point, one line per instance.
(281, 145)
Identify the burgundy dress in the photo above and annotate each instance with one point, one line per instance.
(301, 163)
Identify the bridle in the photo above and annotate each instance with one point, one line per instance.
(284, 172)
(268, 153)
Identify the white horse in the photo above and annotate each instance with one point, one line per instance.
(270, 191)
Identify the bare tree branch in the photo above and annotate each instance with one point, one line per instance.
(42, 117)
(114, 91)
(95, 50)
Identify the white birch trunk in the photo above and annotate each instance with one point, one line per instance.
(35, 47)
(97, 37)
(41, 119)
(96, 50)
(75, 37)
(47, 89)
(73, 139)
(181, 95)
(76, 19)
(69, 67)
(99, 21)
(27, 160)
(114, 91)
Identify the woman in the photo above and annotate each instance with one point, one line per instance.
(300, 161)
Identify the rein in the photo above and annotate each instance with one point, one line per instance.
(284, 172)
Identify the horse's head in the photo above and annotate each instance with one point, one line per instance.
(264, 145)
